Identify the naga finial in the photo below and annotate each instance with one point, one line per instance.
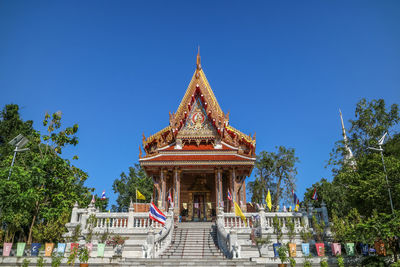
(140, 152)
(144, 137)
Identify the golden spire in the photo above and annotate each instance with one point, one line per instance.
(198, 59)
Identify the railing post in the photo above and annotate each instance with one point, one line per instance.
(234, 247)
(84, 219)
(220, 216)
(262, 219)
(131, 217)
(324, 211)
(151, 242)
(74, 214)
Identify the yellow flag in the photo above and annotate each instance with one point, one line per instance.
(238, 212)
(296, 208)
(139, 195)
(268, 201)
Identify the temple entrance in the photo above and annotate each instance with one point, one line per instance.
(199, 208)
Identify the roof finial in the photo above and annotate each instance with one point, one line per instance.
(198, 58)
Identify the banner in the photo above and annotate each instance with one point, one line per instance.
(292, 250)
(89, 247)
(349, 249)
(48, 249)
(364, 249)
(100, 249)
(7, 249)
(276, 246)
(305, 248)
(35, 249)
(20, 249)
(336, 249)
(61, 248)
(320, 249)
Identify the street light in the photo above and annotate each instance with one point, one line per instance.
(380, 149)
(19, 142)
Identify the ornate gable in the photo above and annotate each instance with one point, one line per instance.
(199, 119)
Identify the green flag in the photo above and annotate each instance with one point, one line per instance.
(100, 249)
(20, 249)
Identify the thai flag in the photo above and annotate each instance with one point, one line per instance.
(315, 196)
(229, 195)
(103, 195)
(295, 199)
(156, 215)
(170, 199)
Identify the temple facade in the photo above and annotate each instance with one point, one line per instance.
(199, 156)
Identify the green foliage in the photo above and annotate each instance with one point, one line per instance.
(283, 253)
(90, 224)
(292, 262)
(276, 171)
(323, 263)
(305, 233)
(104, 236)
(395, 264)
(126, 185)
(40, 262)
(277, 228)
(43, 185)
(72, 256)
(51, 231)
(319, 227)
(116, 240)
(291, 232)
(76, 233)
(373, 261)
(357, 198)
(25, 262)
(340, 261)
(56, 260)
(83, 255)
(307, 261)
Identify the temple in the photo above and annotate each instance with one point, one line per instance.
(199, 156)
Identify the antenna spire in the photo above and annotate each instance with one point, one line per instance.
(348, 158)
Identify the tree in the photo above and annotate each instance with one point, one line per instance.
(43, 186)
(357, 198)
(126, 185)
(276, 171)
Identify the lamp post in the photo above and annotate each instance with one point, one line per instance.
(380, 149)
(19, 142)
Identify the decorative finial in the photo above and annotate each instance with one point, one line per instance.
(198, 61)
(348, 158)
(140, 152)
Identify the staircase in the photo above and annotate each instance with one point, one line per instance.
(193, 241)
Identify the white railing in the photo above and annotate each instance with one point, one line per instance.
(114, 222)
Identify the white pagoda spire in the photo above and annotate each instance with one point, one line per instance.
(348, 157)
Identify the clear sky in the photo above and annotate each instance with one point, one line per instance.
(282, 69)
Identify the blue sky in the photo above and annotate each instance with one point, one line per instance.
(282, 69)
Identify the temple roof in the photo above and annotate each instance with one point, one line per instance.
(199, 124)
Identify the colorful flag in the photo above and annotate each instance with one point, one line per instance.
(171, 202)
(238, 212)
(229, 195)
(315, 196)
(268, 200)
(140, 195)
(100, 249)
(93, 200)
(297, 205)
(20, 249)
(103, 195)
(294, 197)
(156, 215)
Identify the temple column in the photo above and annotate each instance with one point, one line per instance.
(163, 178)
(233, 188)
(219, 176)
(244, 194)
(219, 198)
(177, 189)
